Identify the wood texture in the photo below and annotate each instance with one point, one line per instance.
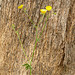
(54, 53)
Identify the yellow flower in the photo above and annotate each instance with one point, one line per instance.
(43, 11)
(48, 8)
(20, 7)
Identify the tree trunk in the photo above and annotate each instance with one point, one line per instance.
(54, 54)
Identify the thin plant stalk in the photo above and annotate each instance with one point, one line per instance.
(20, 42)
(34, 46)
(30, 19)
(39, 36)
(44, 27)
(41, 19)
(22, 45)
(30, 71)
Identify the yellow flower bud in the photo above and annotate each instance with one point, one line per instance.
(20, 7)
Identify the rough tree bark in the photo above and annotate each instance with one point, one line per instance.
(54, 53)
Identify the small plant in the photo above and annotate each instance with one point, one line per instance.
(43, 12)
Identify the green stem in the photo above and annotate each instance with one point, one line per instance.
(36, 40)
(22, 46)
(30, 19)
(34, 46)
(20, 42)
(30, 71)
(44, 26)
(41, 19)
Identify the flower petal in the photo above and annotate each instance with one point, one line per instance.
(48, 8)
(43, 11)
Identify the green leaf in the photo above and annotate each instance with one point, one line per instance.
(27, 66)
